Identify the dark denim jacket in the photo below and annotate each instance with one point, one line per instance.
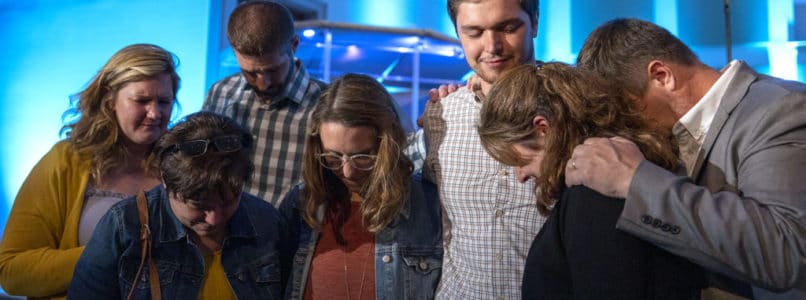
(250, 255)
(408, 252)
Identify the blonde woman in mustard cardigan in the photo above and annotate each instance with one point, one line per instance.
(116, 120)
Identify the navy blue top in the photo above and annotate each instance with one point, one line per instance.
(579, 254)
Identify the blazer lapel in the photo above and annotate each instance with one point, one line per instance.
(736, 90)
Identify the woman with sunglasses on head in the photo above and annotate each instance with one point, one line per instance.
(532, 119)
(209, 239)
(115, 122)
(364, 227)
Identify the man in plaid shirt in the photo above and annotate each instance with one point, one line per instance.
(272, 96)
(489, 219)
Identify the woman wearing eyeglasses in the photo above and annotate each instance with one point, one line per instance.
(111, 129)
(209, 240)
(364, 227)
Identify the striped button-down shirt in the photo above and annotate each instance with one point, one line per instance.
(490, 218)
(278, 127)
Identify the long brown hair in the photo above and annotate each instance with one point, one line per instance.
(357, 100)
(92, 127)
(577, 105)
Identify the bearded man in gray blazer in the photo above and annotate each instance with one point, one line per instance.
(740, 211)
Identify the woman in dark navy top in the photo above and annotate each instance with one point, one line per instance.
(533, 117)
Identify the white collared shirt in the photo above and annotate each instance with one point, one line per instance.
(698, 119)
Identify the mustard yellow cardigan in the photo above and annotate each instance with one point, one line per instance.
(40, 248)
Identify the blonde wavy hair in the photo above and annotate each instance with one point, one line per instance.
(92, 128)
(357, 100)
(577, 105)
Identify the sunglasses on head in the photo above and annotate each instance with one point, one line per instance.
(223, 144)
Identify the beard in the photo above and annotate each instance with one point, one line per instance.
(269, 93)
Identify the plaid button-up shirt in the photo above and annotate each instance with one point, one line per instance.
(489, 218)
(278, 127)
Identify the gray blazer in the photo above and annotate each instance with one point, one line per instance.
(743, 214)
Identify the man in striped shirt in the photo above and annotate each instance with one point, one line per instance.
(273, 96)
(490, 218)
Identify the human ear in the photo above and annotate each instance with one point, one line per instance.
(541, 125)
(294, 43)
(660, 75)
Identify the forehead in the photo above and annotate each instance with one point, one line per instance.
(160, 84)
(488, 12)
(338, 137)
(267, 61)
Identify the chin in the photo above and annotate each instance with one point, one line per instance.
(204, 233)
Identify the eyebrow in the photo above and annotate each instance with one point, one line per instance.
(366, 151)
(511, 21)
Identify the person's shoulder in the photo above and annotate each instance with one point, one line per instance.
(63, 148)
(581, 191)
(316, 83)
(124, 207)
(419, 181)
(292, 196)
(64, 156)
(423, 192)
(230, 81)
(769, 99)
(257, 206)
(580, 198)
(461, 94)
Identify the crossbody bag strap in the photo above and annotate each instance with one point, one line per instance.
(145, 252)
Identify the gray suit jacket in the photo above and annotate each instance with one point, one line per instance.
(743, 214)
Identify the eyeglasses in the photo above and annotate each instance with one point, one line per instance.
(333, 161)
(223, 144)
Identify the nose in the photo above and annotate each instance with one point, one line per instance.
(493, 41)
(347, 169)
(262, 81)
(153, 110)
(521, 175)
(214, 217)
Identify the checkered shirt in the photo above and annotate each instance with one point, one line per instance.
(489, 218)
(278, 127)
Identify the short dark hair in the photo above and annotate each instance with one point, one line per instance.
(256, 28)
(531, 7)
(620, 50)
(198, 177)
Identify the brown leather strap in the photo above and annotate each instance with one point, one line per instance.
(145, 252)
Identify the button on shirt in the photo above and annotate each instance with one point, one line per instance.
(278, 127)
(490, 219)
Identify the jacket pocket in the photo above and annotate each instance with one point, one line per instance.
(165, 270)
(423, 264)
(422, 272)
(263, 275)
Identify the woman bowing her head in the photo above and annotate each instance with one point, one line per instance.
(365, 227)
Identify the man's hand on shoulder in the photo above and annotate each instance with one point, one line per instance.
(434, 95)
(606, 165)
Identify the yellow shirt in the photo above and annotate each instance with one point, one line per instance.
(215, 284)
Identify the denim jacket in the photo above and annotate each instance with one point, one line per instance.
(408, 252)
(250, 255)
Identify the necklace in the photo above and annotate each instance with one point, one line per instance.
(363, 269)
